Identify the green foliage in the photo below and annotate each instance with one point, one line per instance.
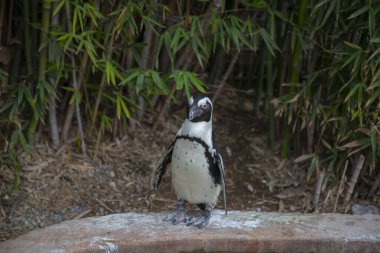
(319, 61)
(337, 104)
(119, 71)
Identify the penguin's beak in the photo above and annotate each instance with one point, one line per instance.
(194, 112)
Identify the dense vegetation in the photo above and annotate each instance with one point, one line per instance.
(106, 66)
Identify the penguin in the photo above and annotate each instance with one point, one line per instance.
(196, 165)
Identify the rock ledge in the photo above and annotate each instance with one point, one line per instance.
(236, 232)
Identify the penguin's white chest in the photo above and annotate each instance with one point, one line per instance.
(190, 173)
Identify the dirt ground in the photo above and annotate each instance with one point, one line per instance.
(59, 185)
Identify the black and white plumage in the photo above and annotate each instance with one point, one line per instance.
(197, 167)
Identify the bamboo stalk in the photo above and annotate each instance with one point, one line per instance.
(71, 110)
(35, 8)
(374, 186)
(341, 186)
(269, 79)
(42, 61)
(109, 45)
(294, 76)
(318, 187)
(9, 23)
(354, 178)
(164, 108)
(2, 11)
(225, 76)
(144, 64)
(77, 108)
(217, 65)
(271, 128)
(27, 40)
(76, 83)
(183, 62)
(259, 91)
(54, 132)
(97, 101)
(15, 68)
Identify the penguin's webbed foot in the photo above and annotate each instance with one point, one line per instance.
(179, 215)
(201, 221)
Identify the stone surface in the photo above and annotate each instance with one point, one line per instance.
(236, 232)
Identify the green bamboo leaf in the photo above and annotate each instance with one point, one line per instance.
(59, 7)
(281, 16)
(24, 143)
(195, 46)
(139, 83)
(187, 89)
(110, 73)
(358, 12)
(75, 18)
(175, 39)
(197, 83)
(376, 77)
(352, 45)
(193, 29)
(76, 97)
(374, 40)
(235, 37)
(270, 44)
(127, 113)
(112, 99)
(372, 56)
(371, 21)
(80, 18)
(259, 4)
(327, 15)
(106, 123)
(14, 137)
(177, 77)
(158, 80)
(118, 106)
(350, 60)
(132, 75)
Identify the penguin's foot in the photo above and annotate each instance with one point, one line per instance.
(179, 215)
(201, 221)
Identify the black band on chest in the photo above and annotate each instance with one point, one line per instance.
(213, 166)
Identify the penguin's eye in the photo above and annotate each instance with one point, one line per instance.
(204, 106)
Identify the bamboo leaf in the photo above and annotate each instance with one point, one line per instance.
(303, 158)
(118, 106)
(158, 80)
(375, 96)
(270, 44)
(59, 7)
(197, 83)
(127, 113)
(24, 143)
(375, 40)
(371, 21)
(352, 45)
(132, 75)
(358, 12)
(139, 83)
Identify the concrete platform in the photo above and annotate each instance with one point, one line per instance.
(236, 232)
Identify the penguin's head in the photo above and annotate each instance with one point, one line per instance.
(199, 108)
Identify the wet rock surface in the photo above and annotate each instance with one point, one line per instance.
(237, 232)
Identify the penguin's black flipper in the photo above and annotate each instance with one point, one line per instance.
(220, 164)
(161, 168)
